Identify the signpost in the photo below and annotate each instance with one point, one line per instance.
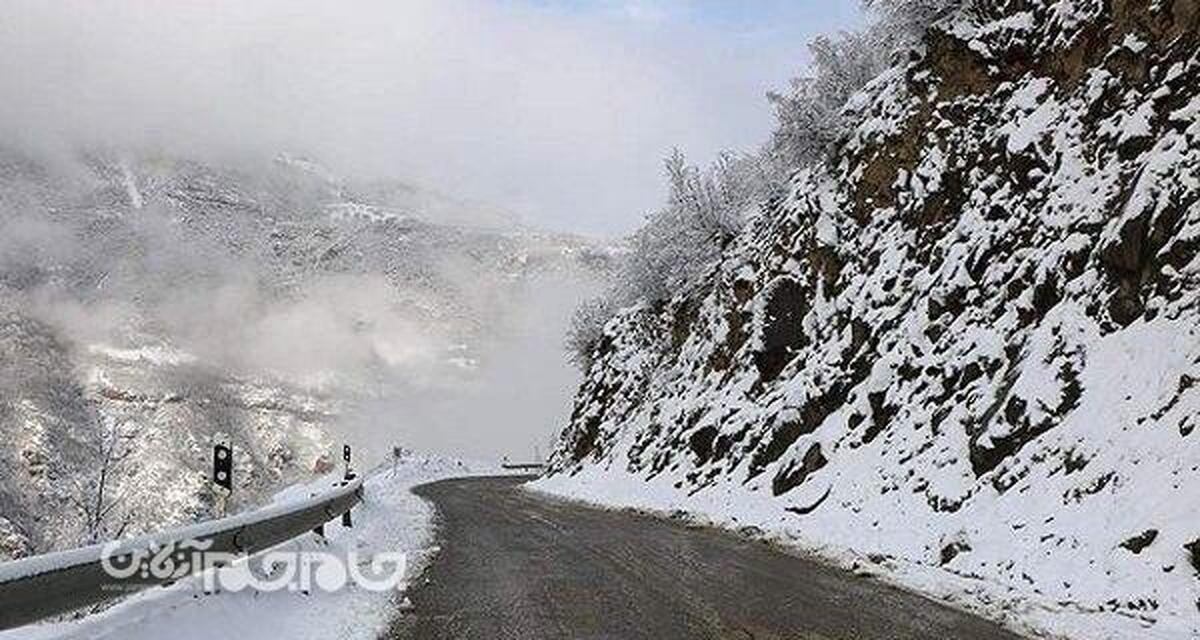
(397, 454)
(349, 474)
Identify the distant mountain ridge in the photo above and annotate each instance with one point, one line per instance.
(150, 306)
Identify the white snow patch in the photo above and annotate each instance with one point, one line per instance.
(390, 518)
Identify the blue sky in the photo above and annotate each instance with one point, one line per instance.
(786, 16)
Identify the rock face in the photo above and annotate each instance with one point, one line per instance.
(149, 307)
(969, 338)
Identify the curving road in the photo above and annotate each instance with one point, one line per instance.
(518, 566)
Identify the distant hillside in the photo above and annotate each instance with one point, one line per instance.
(152, 305)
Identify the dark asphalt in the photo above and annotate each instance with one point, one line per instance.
(516, 565)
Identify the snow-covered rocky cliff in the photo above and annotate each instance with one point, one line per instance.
(152, 306)
(964, 350)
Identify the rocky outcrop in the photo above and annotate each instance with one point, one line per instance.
(978, 320)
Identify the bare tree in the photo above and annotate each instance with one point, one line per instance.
(98, 495)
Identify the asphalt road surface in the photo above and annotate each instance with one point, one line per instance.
(514, 565)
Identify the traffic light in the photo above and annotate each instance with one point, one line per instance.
(223, 466)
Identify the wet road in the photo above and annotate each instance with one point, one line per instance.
(514, 565)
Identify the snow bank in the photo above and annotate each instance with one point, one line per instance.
(389, 519)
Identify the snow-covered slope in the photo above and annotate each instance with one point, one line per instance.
(964, 350)
(150, 306)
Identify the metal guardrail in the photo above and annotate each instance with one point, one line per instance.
(40, 586)
(523, 466)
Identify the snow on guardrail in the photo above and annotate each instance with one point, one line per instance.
(40, 586)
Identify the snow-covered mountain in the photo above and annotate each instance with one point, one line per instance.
(963, 351)
(150, 306)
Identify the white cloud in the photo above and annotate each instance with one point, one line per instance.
(562, 116)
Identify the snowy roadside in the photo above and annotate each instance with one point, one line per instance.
(390, 519)
(756, 515)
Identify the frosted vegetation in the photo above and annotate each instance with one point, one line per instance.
(706, 206)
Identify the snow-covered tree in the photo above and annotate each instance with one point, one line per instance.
(705, 208)
(717, 198)
(809, 113)
(587, 326)
(667, 253)
(904, 21)
(98, 495)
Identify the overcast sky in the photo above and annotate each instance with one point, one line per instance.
(557, 110)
